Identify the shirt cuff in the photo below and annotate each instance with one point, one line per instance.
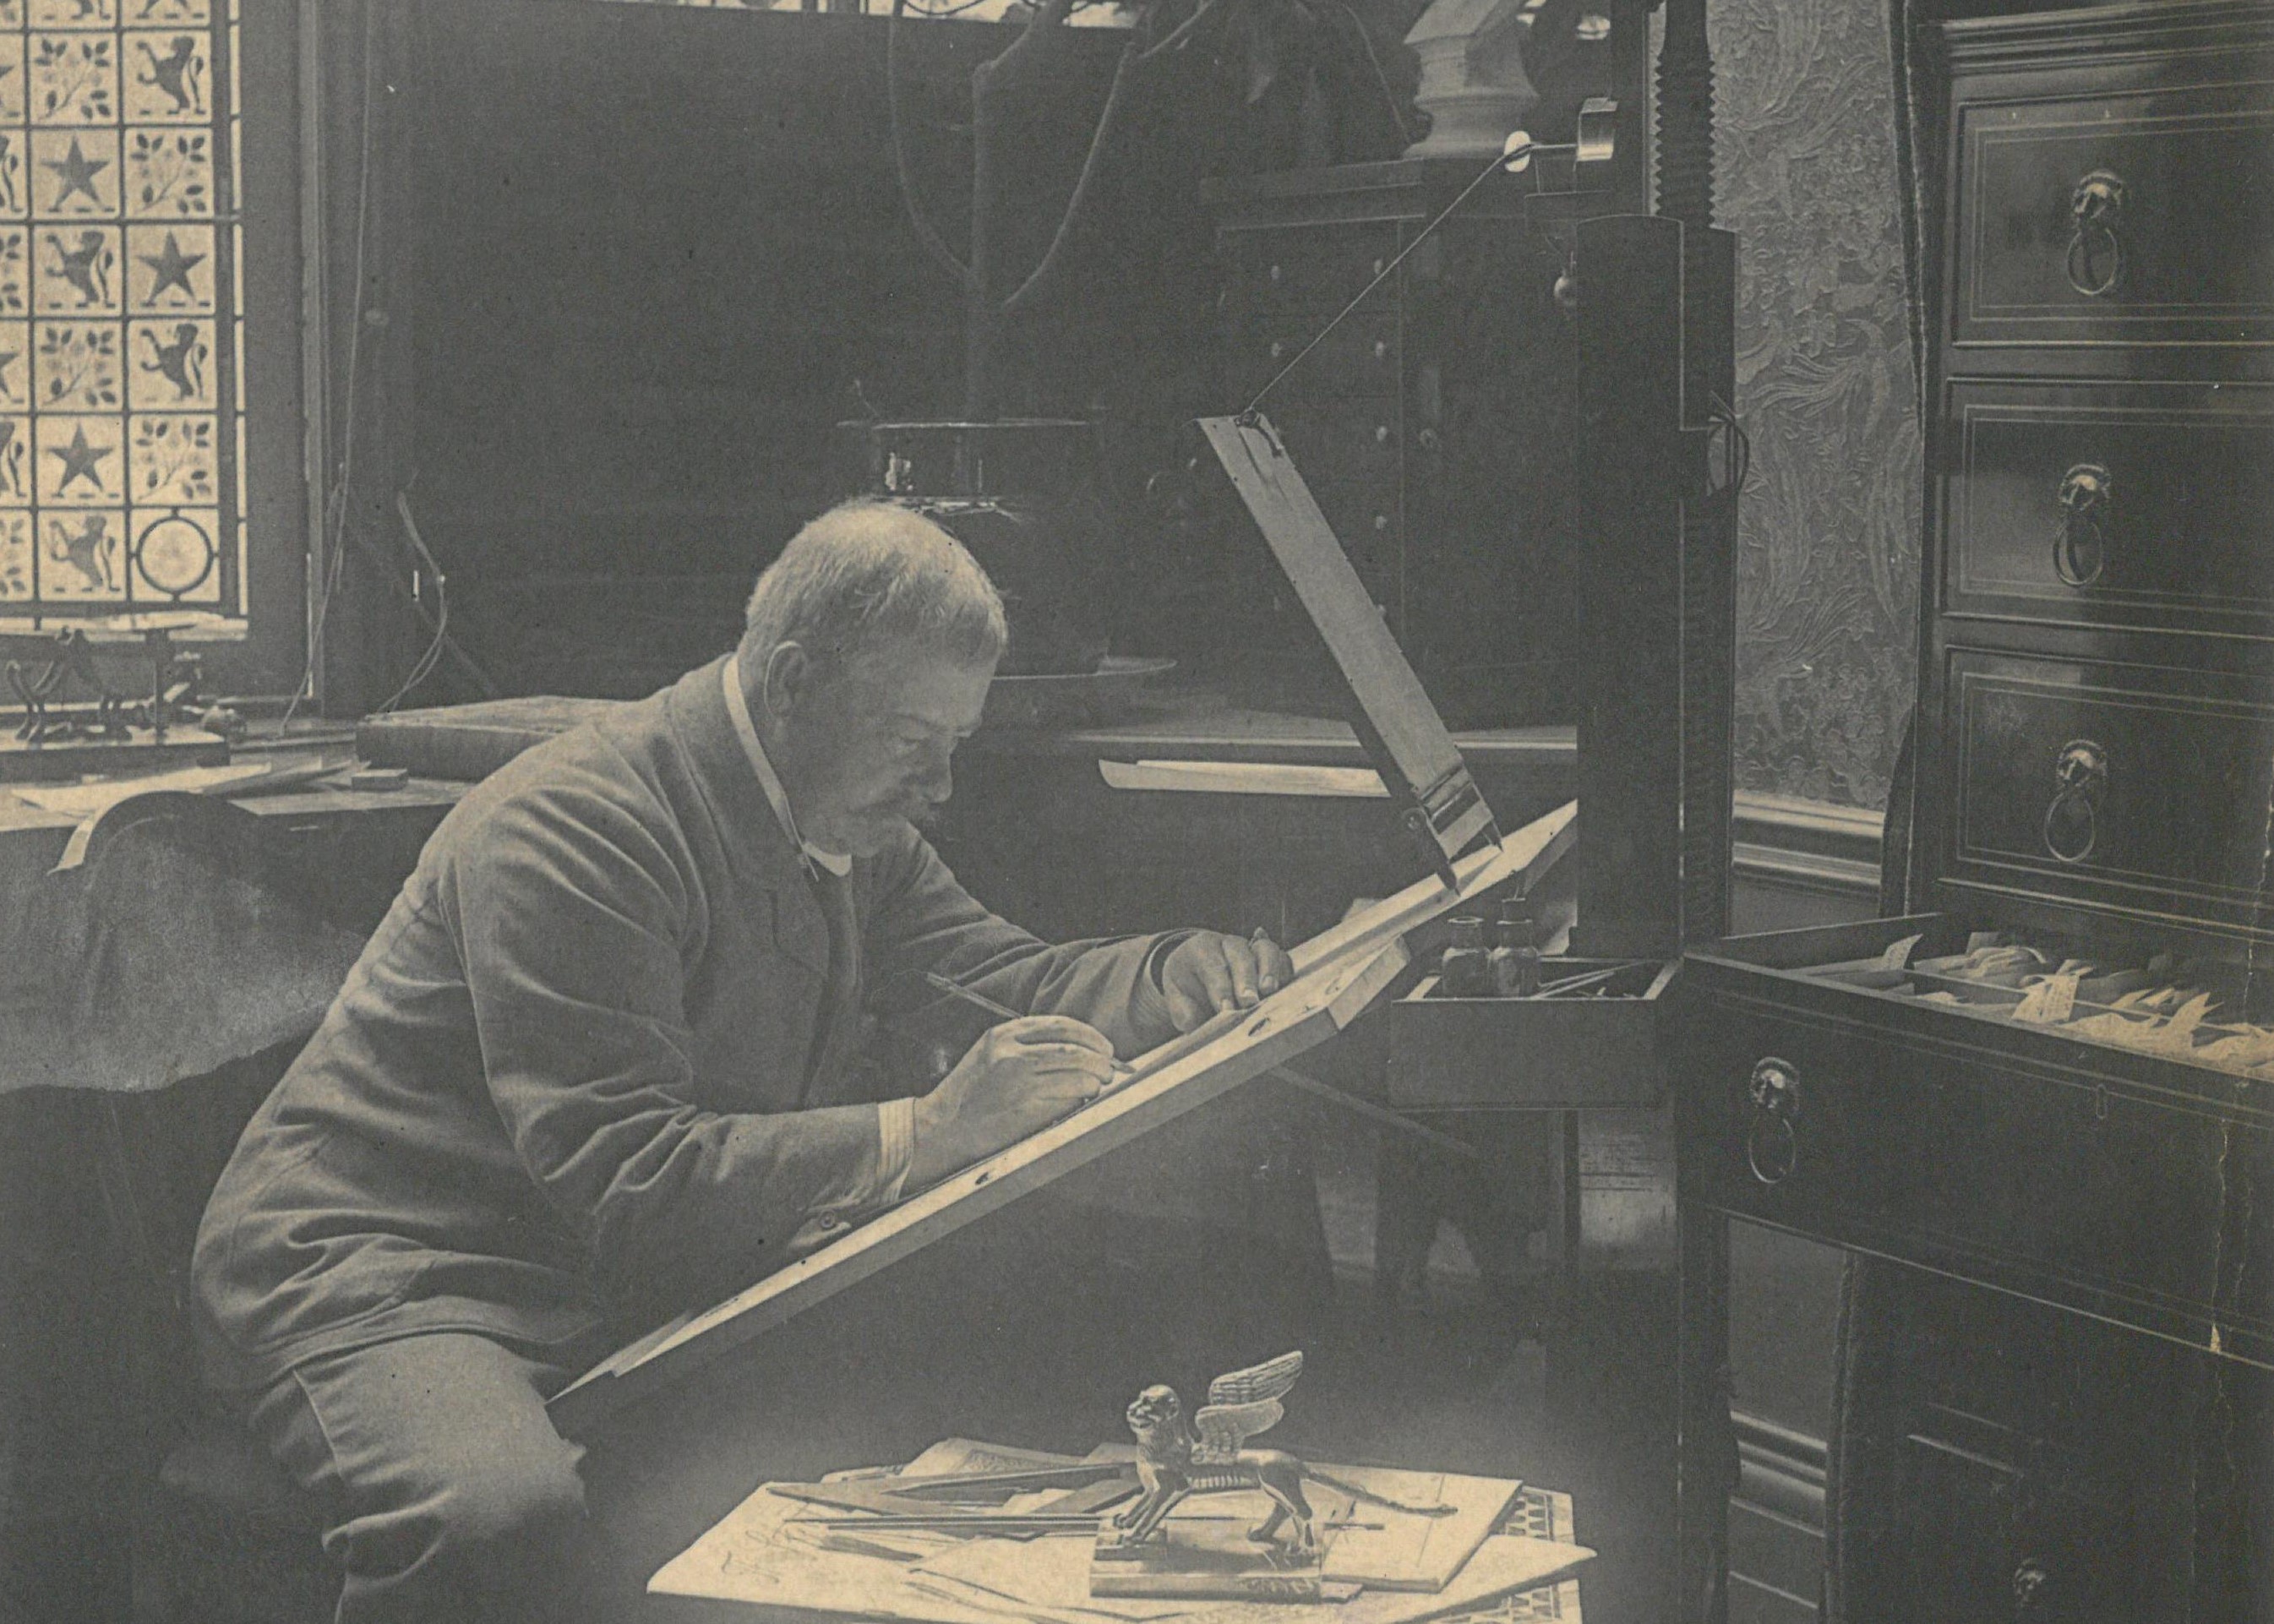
(1157, 959)
(896, 1153)
(1148, 999)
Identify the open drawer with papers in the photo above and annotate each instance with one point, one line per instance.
(2094, 1132)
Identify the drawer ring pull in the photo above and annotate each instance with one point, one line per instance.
(2096, 250)
(1772, 1148)
(2072, 826)
(1772, 1145)
(2088, 495)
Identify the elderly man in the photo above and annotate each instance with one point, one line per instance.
(601, 1063)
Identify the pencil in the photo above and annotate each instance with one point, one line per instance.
(1122, 1069)
(977, 1000)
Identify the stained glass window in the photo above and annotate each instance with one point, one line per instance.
(121, 421)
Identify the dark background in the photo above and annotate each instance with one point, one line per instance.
(659, 252)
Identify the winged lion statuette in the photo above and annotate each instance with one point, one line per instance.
(1209, 1456)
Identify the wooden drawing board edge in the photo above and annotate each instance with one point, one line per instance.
(1521, 857)
(1338, 975)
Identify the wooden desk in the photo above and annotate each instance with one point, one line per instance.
(1032, 816)
(353, 847)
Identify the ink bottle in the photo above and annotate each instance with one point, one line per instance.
(1512, 966)
(1465, 972)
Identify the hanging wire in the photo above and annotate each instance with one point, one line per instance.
(1092, 162)
(1134, 56)
(336, 505)
(423, 668)
(1384, 274)
(934, 244)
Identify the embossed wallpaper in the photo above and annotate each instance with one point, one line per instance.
(1829, 561)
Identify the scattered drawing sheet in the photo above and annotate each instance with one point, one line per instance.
(1386, 1549)
(767, 1553)
(762, 1555)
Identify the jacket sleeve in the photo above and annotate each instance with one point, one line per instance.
(922, 920)
(572, 918)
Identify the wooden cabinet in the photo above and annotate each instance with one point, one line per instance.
(2058, 1385)
(1434, 423)
(2119, 1184)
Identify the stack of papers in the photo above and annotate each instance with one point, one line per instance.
(1384, 1565)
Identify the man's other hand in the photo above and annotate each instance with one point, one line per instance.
(1020, 1075)
(1208, 974)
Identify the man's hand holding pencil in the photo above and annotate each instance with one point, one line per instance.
(1029, 1070)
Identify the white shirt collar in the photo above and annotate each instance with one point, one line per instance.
(738, 709)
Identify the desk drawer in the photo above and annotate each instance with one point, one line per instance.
(1989, 1541)
(1606, 1048)
(2144, 215)
(2140, 506)
(2054, 1177)
(2139, 789)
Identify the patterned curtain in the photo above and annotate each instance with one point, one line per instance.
(1828, 580)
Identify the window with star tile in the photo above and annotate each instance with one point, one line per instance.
(121, 417)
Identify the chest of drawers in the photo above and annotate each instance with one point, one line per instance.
(2045, 1099)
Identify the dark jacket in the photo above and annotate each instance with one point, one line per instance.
(575, 1078)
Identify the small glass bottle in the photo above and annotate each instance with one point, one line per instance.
(1512, 966)
(1465, 972)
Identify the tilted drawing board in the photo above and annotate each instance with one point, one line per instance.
(1445, 813)
(1338, 976)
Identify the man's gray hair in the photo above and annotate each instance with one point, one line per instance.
(867, 574)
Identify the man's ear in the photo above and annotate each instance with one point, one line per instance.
(787, 679)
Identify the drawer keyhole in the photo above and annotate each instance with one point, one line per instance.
(2088, 500)
(1772, 1145)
